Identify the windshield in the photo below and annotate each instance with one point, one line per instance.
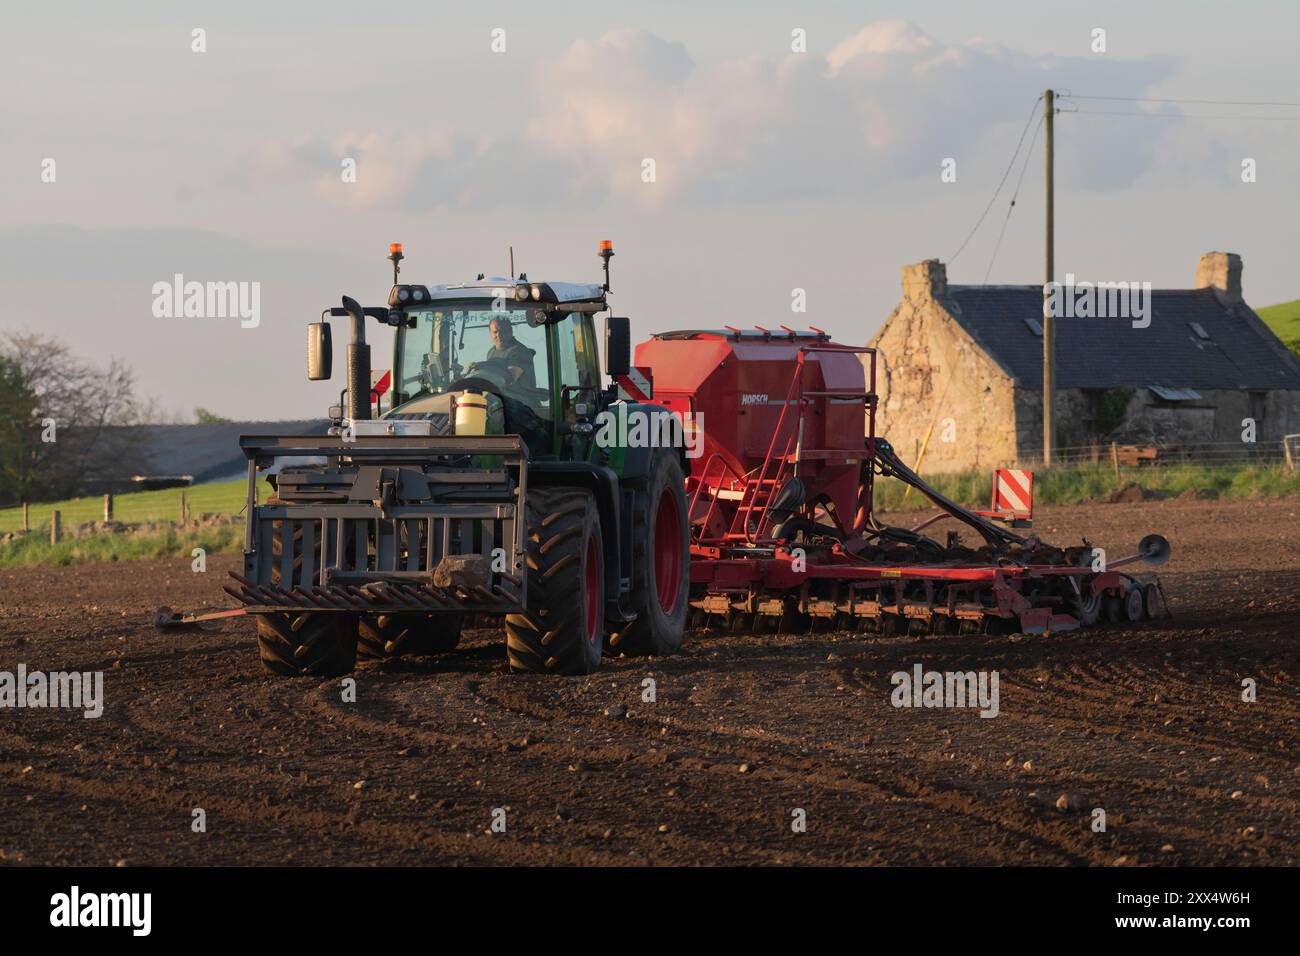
(455, 342)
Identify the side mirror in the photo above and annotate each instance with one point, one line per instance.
(618, 345)
(320, 352)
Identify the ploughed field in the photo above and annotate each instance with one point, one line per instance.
(1145, 722)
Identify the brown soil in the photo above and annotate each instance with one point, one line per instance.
(1145, 722)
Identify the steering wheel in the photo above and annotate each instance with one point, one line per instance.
(488, 375)
(490, 365)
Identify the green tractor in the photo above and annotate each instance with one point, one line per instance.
(493, 484)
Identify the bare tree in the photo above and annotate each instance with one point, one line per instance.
(61, 431)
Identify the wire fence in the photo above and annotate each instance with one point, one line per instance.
(1221, 460)
(1138, 455)
(1099, 473)
(139, 507)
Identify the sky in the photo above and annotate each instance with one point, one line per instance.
(794, 146)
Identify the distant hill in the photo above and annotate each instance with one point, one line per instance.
(1284, 320)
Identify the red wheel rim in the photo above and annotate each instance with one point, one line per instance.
(592, 587)
(668, 551)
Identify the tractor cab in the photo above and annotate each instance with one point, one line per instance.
(528, 351)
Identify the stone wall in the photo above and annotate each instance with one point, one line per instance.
(1217, 416)
(930, 372)
(1214, 419)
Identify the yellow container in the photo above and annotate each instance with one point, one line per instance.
(471, 414)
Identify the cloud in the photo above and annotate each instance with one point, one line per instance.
(873, 116)
(888, 37)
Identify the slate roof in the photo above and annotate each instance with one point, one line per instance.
(1240, 352)
(205, 452)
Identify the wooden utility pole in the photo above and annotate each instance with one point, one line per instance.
(1049, 321)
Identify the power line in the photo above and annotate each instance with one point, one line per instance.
(1014, 195)
(1092, 112)
(1153, 99)
(1186, 116)
(1001, 183)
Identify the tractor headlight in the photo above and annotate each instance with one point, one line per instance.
(521, 292)
(403, 294)
(536, 291)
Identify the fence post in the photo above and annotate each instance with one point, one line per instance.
(185, 509)
(27, 524)
(56, 527)
(108, 507)
(1114, 460)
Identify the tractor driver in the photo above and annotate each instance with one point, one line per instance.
(517, 357)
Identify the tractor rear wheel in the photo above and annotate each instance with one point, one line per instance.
(562, 629)
(382, 636)
(661, 572)
(319, 644)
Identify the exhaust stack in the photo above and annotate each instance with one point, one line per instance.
(358, 364)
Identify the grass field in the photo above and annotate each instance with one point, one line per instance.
(1067, 486)
(1055, 487)
(35, 549)
(138, 507)
(1284, 320)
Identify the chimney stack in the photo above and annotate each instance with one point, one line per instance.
(1220, 271)
(925, 280)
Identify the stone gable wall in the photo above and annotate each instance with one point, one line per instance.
(928, 371)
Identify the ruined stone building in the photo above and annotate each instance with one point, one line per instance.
(964, 364)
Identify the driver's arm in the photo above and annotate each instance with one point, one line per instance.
(521, 367)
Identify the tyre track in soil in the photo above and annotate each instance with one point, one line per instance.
(1154, 805)
(275, 762)
(554, 754)
(380, 724)
(790, 775)
(1047, 707)
(1049, 699)
(798, 773)
(910, 785)
(1178, 699)
(1249, 753)
(373, 838)
(633, 767)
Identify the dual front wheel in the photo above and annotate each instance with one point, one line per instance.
(327, 645)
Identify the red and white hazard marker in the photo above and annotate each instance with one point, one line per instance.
(636, 385)
(1013, 492)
